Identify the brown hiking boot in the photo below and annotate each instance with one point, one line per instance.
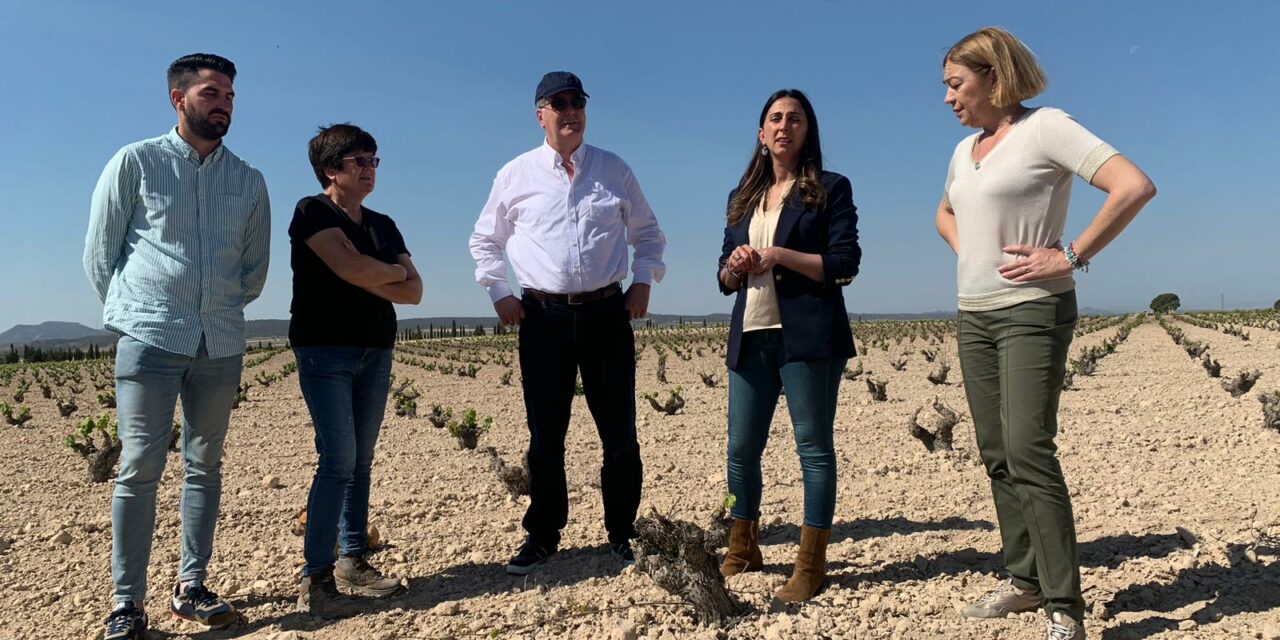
(744, 548)
(362, 578)
(811, 561)
(1002, 601)
(318, 595)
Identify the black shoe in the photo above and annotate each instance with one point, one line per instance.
(623, 552)
(532, 554)
(126, 623)
(198, 604)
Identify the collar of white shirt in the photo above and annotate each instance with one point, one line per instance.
(553, 156)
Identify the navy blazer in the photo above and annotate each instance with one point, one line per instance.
(815, 324)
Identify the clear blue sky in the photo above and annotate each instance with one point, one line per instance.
(1187, 90)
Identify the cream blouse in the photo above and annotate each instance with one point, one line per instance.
(761, 311)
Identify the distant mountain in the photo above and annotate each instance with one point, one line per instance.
(49, 331)
(256, 329)
(1094, 311)
(65, 334)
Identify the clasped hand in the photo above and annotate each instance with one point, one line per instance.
(746, 259)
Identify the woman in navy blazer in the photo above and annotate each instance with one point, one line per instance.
(790, 245)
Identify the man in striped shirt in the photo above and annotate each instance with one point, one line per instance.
(179, 230)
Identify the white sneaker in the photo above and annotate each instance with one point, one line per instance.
(1062, 627)
(1002, 601)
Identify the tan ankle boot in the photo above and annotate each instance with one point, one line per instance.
(744, 548)
(810, 572)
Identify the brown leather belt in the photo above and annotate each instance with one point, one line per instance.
(602, 293)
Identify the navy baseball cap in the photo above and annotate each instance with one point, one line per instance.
(558, 81)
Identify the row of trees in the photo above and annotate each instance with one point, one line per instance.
(1169, 302)
(41, 354)
(453, 331)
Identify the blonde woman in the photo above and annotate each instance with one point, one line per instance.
(1003, 213)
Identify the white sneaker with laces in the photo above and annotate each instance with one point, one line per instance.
(1002, 601)
(1062, 627)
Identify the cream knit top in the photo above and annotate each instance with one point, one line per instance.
(1017, 194)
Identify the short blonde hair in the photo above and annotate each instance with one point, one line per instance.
(1018, 75)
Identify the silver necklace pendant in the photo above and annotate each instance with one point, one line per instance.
(977, 165)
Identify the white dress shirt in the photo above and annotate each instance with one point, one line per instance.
(565, 236)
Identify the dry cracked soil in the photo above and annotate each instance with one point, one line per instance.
(1175, 486)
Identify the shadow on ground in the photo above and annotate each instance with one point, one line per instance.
(1109, 552)
(469, 580)
(1226, 591)
(866, 528)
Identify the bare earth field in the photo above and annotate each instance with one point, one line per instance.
(1176, 489)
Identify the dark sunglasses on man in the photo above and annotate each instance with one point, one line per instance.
(560, 103)
(365, 162)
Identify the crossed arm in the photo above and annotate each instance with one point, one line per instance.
(407, 292)
(397, 283)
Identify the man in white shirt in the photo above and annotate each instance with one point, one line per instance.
(564, 214)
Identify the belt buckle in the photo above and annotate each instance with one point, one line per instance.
(573, 299)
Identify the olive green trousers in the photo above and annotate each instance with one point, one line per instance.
(1013, 361)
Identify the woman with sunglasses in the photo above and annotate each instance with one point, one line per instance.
(349, 265)
(790, 246)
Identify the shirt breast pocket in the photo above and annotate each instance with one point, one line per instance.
(230, 216)
(603, 205)
(155, 201)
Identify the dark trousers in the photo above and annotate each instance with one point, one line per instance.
(1014, 360)
(557, 341)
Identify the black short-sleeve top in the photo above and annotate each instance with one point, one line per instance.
(327, 310)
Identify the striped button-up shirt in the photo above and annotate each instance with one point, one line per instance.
(566, 236)
(177, 247)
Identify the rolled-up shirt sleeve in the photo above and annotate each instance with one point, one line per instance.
(257, 251)
(644, 235)
(110, 210)
(488, 241)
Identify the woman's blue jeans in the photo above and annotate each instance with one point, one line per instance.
(811, 389)
(346, 392)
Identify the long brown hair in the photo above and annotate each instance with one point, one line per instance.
(758, 177)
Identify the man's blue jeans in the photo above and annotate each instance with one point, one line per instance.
(346, 391)
(811, 389)
(149, 382)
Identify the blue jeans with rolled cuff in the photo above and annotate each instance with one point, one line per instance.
(346, 392)
(811, 389)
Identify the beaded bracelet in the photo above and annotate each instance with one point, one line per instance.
(724, 264)
(1074, 259)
